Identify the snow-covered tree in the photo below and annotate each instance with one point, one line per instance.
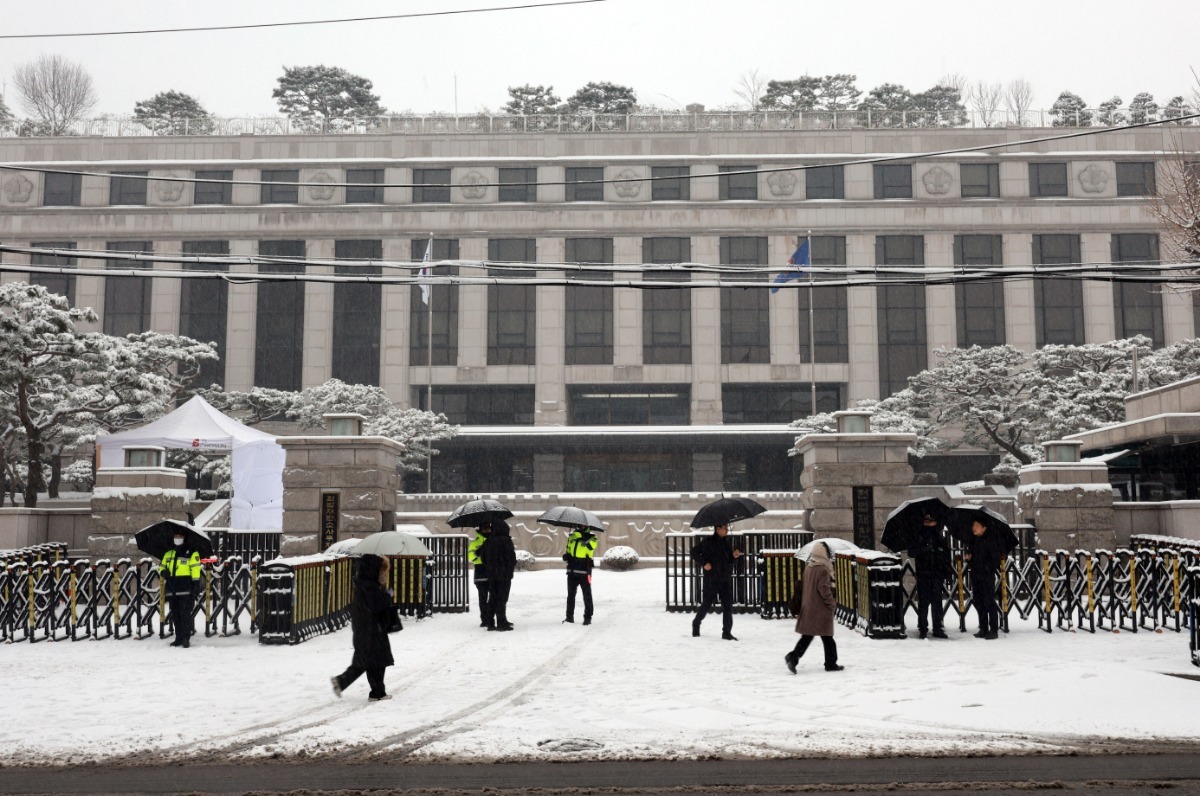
(1142, 108)
(889, 416)
(1069, 110)
(1176, 107)
(1177, 206)
(603, 97)
(1108, 113)
(944, 106)
(6, 115)
(528, 100)
(888, 104)
(174, 113)
(792, 95)
(316, 95)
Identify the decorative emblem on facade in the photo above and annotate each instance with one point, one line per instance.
(169, 191)
(321, 193)
(473, 185)
(628, 190)
(1093, 179)
(937, 181)
(782, 183)
(18, 189)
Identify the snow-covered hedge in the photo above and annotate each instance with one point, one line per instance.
(525, 559)
(619, 558)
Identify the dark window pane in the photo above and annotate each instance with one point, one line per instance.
(62, 284)
(776, 403)
(1047, 179)
(1057, 300)
(979, 305)
(745, 311)
(824, 182)
(589, 310)
(431, 185)
(284, 191)
(893, 181)
(518, 185)
(512, 309)
(127, 298)
(664, 189)
(481, 406)
(830, 320)
(646, 404)
(279, 333)
(627, 471)
(441, 312)
(903, 349)
(585, 184)
(213, 193)
(667, 312)
(735, 185)
(204, 307)
(61, 190)
(1138, 305)
(129, 190)
(367, 191)
(357, 309)
(1136, 179)
(980, 180)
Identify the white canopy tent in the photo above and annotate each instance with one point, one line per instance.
(257, 460)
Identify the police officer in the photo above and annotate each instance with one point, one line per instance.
(481, 578)
(932, 558)
(180, 568)
(581, 549)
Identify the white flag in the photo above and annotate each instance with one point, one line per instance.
(426, 270)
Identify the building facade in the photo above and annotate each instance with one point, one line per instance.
(568, 356)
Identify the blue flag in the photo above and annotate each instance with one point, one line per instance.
(799, 258)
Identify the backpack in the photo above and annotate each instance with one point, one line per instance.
(796, 602)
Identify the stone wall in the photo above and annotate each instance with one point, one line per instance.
(127, 499)
(1070, 504)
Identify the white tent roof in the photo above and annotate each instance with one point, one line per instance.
(195, 425)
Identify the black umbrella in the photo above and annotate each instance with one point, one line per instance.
(158, 538)
(905, 527)
(727, 510)
(477, 513)
(572, 517)
(962, 518)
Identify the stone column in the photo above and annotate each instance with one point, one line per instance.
(1069, 503)
(127, 499)
(337, 488)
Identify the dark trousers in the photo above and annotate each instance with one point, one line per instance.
(497, 613)
(481, 586)
(579, 580)
(929, 599)
(181, 615)
(374, 679)
(983, 593)
(713, 590)
(830, 649)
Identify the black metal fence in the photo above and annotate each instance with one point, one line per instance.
(245, 544)
(749, 586)
(300, 599)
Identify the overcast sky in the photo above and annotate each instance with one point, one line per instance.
(671, 52)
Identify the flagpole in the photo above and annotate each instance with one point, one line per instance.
(429, 366)
(812, 339)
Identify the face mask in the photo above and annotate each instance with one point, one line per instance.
(178, 541)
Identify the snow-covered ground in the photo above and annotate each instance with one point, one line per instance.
(635, 684)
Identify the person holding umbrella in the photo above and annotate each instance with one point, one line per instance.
(481, 576)
(931, 554)
(499, 557)
(181, 571)
(816, 610)
(717, 556)
(983, 555)
(581, 549)
(370, 617)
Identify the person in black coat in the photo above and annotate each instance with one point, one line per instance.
(500, 558)
(983, 558)
(717, 556)
(370, 617)
(932, 558)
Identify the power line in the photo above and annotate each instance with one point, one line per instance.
(209, 28)
(615, 180)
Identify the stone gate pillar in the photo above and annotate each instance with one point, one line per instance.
(127, 499)
(852, 479)
(1069, 502)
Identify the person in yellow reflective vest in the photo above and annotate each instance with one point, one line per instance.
(581, 547)
(481, 579)
(181, 573)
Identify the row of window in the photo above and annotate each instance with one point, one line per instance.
(666, 313)
(586, 184)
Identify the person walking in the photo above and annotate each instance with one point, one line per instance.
(481, 579)
(932, 558)
(370, 617)
(500, 558)
(816, 610)
(983, 559)
(581, 549)
(717, 556)
(180, 570)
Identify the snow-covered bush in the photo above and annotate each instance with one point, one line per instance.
(619, 558)
(525, 560)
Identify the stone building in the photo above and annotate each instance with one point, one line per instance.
(577, 357)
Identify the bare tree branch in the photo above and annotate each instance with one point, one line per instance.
(750, 88)
(1018, 99)
(55, 91)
